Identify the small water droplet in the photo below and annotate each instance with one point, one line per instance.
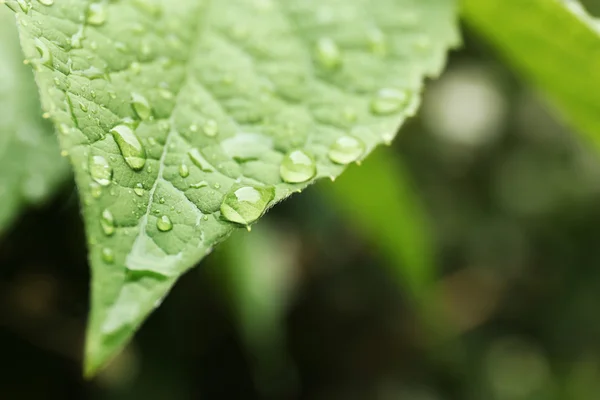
(164, 224)
(141, 106)
(44, 51)
(46, 2)
(246, 204)
(108, 256)
(95, 190)
(297, 167)
(139, 190)
(389, 101)
(83, 107)
(24, 5)
(328, 53)
(199, 185)
(131, 148)
(200, 161)
(346, 149)
(184, 171)
(100, 170)
(96, 14)
(107, 222)
(211, 128)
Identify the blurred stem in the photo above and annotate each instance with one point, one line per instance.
(256, 278)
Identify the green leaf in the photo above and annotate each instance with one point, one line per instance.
(555, 45)
(29, 156)
(186, 120)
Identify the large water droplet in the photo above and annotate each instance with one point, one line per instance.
(141, 106)
(244, 205)
(100, 170)
(389, 101)
(131, 148)
(328, 53)
(96, 14)
(297, 167)
(346, 149)
(108, 256)
(164, 224)
(107, 222)
(200, 161)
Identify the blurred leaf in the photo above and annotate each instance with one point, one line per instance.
(186, 122)
(30, 163)
(554, 44)
(258, 277)
(380, 200)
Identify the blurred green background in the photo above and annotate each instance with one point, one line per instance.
(459, 263)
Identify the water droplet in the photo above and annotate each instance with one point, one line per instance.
(346, 149)
(24, 5)
(211, 128)
(297, 167)
(107, 222)
(141, 106)
(46, 2)
(164, 224)
(83, 107)
(100, 170)
(184, 171)
(199, 185)
(246, 204)
(200, 161)
(389, 101)
(108, 256)
(139, 190)
(96, 14)
(45, 54)
(328, 53)
(131, 148)
(95, 190)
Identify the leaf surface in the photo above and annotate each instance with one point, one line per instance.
(30, 163)
(186, 120)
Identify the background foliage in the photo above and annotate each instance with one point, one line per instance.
(306, 307)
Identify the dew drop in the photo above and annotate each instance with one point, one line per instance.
(108, 256)
(96, 14)
(131, 148)
(139, 190)
(100, 170)
(199, 185)
(389, 101)
(246, 204)
(211, 128)
(95, 190)
(328, 53)
(46, 2)
(199, 160)
(141, 106)
(184, 171)
(83, 107)
(346, 149)
(45, 54)
(164, 224)
(297, 167)
(24, 5)
(107, 222)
